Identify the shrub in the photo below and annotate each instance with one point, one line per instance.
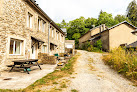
(123, 61)
(96, 47)
(98, 44)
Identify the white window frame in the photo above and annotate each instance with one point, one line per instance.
(39, 24)
(14, 47)
(52, 32)
(43, 26)
(29, 20)
(45, 46)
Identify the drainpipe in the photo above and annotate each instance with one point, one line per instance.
(48, 37)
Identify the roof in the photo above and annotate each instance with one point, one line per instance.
(37, 39)
(91, 30)
(34, 5)
(116, 26)
(122, 23)
(134, 45)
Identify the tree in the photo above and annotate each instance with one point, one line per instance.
(105, 18)
(63, 24)
(132, 12)
(120, 18)
(90, 22)
(76, 35)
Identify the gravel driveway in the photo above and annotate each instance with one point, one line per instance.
(95, 76)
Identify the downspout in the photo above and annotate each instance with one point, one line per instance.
(48, 37)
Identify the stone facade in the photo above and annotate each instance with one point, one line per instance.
(70, 46)
(120, 34)
(14, 25)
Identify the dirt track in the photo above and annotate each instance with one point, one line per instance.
(94, 76)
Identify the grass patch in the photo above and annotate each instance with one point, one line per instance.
(125, 62)
(51, 77)
(63, 85)
(74, 90)
(55, 82)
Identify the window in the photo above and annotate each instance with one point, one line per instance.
(52, 32)
(15, 47)
(29, 22)
(39, 27)
(43, 26)
(44, 48)
(49, 30)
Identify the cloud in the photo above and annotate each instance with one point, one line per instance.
(72, 9)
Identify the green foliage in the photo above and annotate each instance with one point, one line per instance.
(96, 47)
(124, 61)
(98, 44)
(63, 24)
(107, 19)
(90, 22)
(74, 90)
(66, 39)
(132, 12)
(85, 46)
(76, 35)
(120, 18)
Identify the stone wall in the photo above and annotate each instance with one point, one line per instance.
(13, 24)
(46, 59)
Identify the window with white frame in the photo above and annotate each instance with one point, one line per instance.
(39, 24)
(29, 21)
(44, 48)
(43, 26)
(52, 32)
(15, 47)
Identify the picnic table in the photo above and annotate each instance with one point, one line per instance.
(24, 64)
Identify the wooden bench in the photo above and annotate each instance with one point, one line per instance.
(27, 63)
(25, 67)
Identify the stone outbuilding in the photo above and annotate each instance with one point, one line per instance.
(70, 46)
(26, 30)
(113, 37)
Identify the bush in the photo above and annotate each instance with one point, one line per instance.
(96, 47)
(98, 44)
(85, 46)
(123, 61)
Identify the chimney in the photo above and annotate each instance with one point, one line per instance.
(103, 27)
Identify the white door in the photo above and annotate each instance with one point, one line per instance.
(34, 52)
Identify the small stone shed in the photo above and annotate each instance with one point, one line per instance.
(70, 46)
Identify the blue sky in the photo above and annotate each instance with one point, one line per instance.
(58, 10)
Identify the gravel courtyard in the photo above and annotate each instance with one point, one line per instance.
(94, 76)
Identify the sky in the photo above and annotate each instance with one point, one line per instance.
(69, 10)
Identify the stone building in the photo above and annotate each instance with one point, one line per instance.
(118, 35)
(70, 46)
(26, 30)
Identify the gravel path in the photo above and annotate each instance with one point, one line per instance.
(96, 76)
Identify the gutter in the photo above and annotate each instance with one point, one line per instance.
(48, 38)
